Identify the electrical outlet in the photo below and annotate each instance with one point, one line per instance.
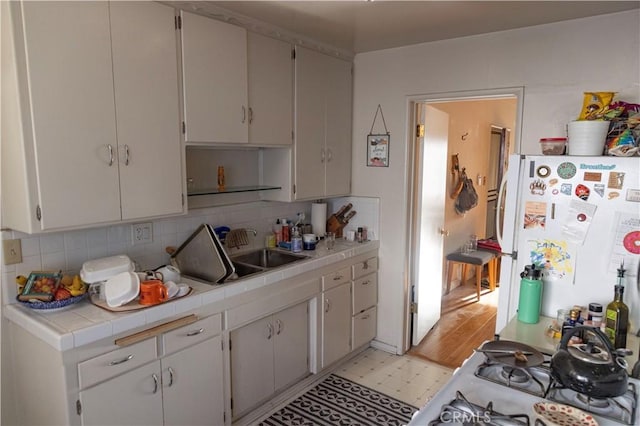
(142, 233)
(12, 250)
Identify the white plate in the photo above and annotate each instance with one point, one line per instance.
(121, 289)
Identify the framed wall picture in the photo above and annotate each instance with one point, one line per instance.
(378, 150)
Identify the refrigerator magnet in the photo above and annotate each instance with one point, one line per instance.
(592, 176)
(582, 192)
(543, 171)
(598, 188)
(616, 179)
(567, 170)
(565, 188)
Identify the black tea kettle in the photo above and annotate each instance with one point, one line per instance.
(594, 367)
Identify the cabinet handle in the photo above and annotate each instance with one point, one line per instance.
(126, 155)
(322, 155)
(365, 265)
(327, 305)
(195, 332)
(170, 376)
(250, 115)
(366, 282)
(244, 114)
(337, 278)
(278, 326)
(329, 155)
(270, 329)
(365, 317)
(155, 382)
(121, 360)
(110, 148)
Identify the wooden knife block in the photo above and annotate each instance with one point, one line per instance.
(335, 225)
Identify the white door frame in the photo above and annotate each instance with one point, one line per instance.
(434, 98)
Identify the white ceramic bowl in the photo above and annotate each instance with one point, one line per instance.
(121, 289)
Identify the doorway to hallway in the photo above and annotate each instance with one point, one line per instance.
(470, 116)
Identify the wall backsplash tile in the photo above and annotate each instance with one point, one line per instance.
(67, 251)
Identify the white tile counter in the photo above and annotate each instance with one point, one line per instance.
(86, 323)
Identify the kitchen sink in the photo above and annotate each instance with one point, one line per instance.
(266, 258)
(242, 270)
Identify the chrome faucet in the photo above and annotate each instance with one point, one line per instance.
(253, 231)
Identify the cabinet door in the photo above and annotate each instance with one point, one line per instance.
(251, 365)
(134, 398)
(364, 327)
(71, 88)
(270, 91)
(338, 94)
(291, 345)
(192, 385)
(145, 72)
(310, 155)
(214, 61)
(336, 324)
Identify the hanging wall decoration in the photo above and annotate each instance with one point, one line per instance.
(378, 144)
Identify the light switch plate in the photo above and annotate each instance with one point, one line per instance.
(12, 251)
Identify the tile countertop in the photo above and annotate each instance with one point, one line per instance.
(85, 323)
(535, 335)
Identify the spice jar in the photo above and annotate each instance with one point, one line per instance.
(595, 314)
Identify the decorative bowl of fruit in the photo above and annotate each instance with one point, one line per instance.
(50, 290)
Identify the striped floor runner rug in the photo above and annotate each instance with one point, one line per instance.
(338, 401)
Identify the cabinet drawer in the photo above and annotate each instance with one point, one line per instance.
(111, 364)
(365, 267)
(193, 333)
(365, 293)
(364, 327)
(336, 278)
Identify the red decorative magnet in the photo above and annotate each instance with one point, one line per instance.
(582, 217)
(582, 192)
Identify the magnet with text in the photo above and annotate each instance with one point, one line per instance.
(567, 170)
(582, 192)
(616, 180)
(565, 188)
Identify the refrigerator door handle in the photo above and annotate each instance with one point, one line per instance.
(501, 190)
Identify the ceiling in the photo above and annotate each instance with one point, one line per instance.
(362, 26)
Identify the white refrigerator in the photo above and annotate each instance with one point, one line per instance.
(578, 218)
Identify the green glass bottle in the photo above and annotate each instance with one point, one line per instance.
(617, 315)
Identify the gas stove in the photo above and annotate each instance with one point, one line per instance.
(485, 392)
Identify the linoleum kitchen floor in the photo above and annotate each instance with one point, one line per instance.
(408, 378)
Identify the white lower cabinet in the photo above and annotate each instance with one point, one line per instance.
(134, 398)
(364, 327)
(182, 388)
(336, 323)
(267, 355)
(192, 385)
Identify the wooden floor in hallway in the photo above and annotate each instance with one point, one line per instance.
(463, 326)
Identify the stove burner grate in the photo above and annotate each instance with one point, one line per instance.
(515, 375)
(533, 380)
(621, 409)
(462, 412)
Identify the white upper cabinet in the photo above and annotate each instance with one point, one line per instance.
(323, 99)
(145, 68)
(238, 86)
(94, 115)
(214, 61)
(270, 91)
(70, 131)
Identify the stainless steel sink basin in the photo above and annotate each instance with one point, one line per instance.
(266, 258)
(242, 270)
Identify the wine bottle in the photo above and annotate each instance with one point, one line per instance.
(617, 315)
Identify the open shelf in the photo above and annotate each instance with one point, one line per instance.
(232, 189)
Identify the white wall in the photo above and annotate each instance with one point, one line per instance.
(554, 63)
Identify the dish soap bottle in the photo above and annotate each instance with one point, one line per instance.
(296, 241)
(617, 315)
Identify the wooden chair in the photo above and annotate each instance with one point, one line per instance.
(477, 258)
